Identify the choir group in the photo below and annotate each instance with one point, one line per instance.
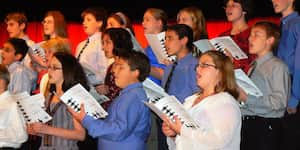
(111, 62)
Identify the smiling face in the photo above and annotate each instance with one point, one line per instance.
(90, 24)
(55, 72)
(108, 46)
(234, 11)
(150, 24)
(208, 76)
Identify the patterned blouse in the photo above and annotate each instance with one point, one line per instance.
(113, 89)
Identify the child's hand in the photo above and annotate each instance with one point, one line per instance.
(167, 130)
(102, 89)
(242, 95)
(80, 115)
(173, 125)
(36, 128)
(167, 62)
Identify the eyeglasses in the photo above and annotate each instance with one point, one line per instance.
(205, 65)
(47, 22)
(54, 68)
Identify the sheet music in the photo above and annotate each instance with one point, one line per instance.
(246, 83)
(77, 95)
(157, 43)
(36, 49)
(32, 107)
(221, 44)
(153, 90)
(170, 107)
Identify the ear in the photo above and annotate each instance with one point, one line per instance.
(99, 24)
(136, 73)
(18, 57)
(22, 26)
(184, 40)
(271, 40)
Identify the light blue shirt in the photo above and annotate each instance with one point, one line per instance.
(183, 82)
(128, 124)
(22, 79)
(289, 52)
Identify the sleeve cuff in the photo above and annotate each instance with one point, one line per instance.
(86, 121)
(293, 102)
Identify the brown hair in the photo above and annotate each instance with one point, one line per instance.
(123, 20)
(60, 26)
(99, 13)
(224, 65)
(159, 14)
(198, 19)
(272, 30)
(18, 17)
(247, 6)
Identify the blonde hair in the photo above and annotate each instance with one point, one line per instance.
(159, 14)
(198, 19)
(57, 44)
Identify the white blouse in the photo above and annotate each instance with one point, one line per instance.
(219, 118)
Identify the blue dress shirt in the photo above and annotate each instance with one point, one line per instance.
(183, 82)
(128, 124)
(289, 52)
(154, 63)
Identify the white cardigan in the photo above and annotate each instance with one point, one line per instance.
(219, 118)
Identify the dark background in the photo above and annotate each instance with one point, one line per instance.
(35, 9)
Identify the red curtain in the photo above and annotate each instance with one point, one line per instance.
(76, 33)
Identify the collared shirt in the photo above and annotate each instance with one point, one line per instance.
(219, 120)
(128, 123)
(12, 125)
(21, 78)
(289, 52)
(183, 82)
(93, 59)
(154, 63)
(271, 76)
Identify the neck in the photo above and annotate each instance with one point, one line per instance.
(239, 26)
(208, 92)
(262, 53)
(182, 53)
(59, 90)
(52, 36)
(287, 12)
(21, 35)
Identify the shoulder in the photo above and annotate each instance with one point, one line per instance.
(276, 64)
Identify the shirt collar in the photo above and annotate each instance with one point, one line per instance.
(263, 59)
(95, 36)
(131, 86)
(185, 58)
(25, 37)
(13, 66)
(289, 17)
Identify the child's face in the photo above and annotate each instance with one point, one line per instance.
(259, 43)
(48, 25)
(8, 54)
(108, 46)
(150, 24)
(90, 24)
(234, 11)
(208, 75)
(55, 71)
(14, 29)
(113, 23)
(185, 18)
(281, 6)
(123, 75)
(173, 43)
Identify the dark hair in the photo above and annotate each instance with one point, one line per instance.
(182, 31)
(247, 6)
(99, 13)
(137, 61)
(272, 30)
(121, 39)
(123, 20)
(225, 66)
(72, 71)
(19, 45)
(4, 74)
(19, 17)
(159, 14)
(60, 25)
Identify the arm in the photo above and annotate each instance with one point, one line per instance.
(276, 99)
(78, 133)
(157, 72)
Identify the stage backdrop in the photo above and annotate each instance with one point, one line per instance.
(76, 33)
